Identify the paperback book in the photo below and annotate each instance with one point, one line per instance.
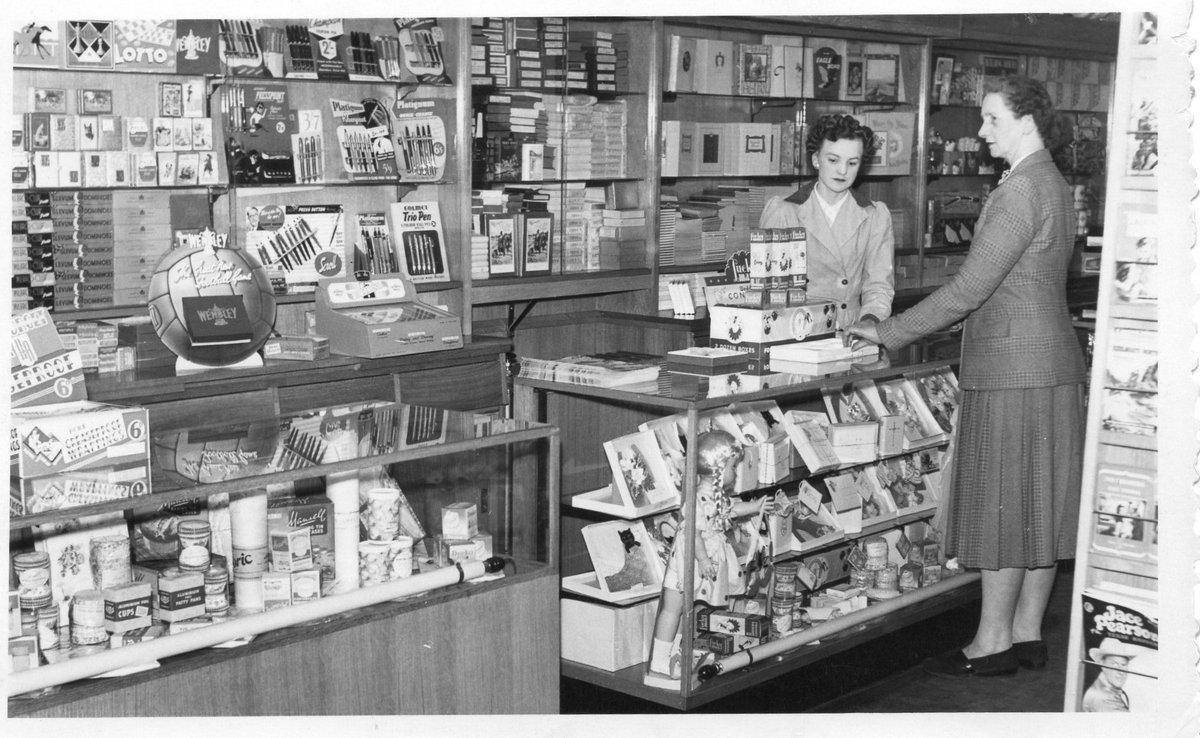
(1120, 652)
(612, 369)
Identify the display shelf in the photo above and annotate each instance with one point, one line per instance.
(589, 415)
(515, 487)
(584, 584)
(629, 680)
(497, 290)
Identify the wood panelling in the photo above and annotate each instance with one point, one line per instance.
(491, 651)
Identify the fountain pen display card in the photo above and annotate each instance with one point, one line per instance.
(418, 237)
(306, 241)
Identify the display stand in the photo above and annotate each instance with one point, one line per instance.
(1131, 639)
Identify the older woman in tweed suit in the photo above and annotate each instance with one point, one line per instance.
(1014, 505)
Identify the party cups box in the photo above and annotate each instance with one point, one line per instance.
(738, 324)
(76, 436)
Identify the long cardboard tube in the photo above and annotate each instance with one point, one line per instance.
(745, 658)
(192, 640)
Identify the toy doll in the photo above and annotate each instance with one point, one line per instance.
(716, 573)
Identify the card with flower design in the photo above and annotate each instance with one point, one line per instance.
(639, 470)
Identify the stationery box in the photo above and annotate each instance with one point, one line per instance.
(77, 436)
(605, 636)
(314, 512)
(737, 324)
(380, 317)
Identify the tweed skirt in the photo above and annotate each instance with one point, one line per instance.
(1018, 464)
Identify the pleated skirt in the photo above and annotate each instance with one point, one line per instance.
(1018, 464)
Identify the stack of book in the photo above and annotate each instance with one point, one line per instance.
(524, 41)
(489, 33)
(609, 120)
(819, 356)
(571, 121)
(667, 215)
(623, 236)
(554, 53)
(613, 369)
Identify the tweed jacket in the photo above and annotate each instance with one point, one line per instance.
(850, 261)
(1011, 288)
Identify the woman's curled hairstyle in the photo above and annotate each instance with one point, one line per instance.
(836, 127)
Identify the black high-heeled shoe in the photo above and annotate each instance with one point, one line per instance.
(1031, 654)
(955, 664)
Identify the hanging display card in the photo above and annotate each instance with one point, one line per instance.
(145, 45)
(307, 242)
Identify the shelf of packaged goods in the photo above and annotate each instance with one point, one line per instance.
(298, 186)
(300, 298)
(170, 488)
(708, 266)
(553, 183)
(960, 590)
(178, 655)
(583, 284)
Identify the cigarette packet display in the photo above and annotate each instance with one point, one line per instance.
(382, 316)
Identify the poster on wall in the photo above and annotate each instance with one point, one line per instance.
(144, 45)
(38, 44)
(89, 44)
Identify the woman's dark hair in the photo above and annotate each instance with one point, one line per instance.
(1025, 96)
(836, 127)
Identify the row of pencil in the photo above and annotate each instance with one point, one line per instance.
(362, 54)
(300, 49)
(425, 50)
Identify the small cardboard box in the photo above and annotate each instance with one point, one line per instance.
(180, 596)
(127, 608)
(460, 521)
(712, 620)
(277, 590)
(607, 637)
(314, 512)
(76, 436)
(306, 586)
(738, 324)
(85, 487)
(291, 550)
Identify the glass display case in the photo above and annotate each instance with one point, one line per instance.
(590, 417)
(337, 492)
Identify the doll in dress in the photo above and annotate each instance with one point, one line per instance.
(716, 574)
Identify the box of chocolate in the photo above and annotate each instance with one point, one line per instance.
(127, 608)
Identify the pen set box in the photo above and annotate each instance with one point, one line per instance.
(383, 316)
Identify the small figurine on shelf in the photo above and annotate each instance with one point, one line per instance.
(717, 575)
